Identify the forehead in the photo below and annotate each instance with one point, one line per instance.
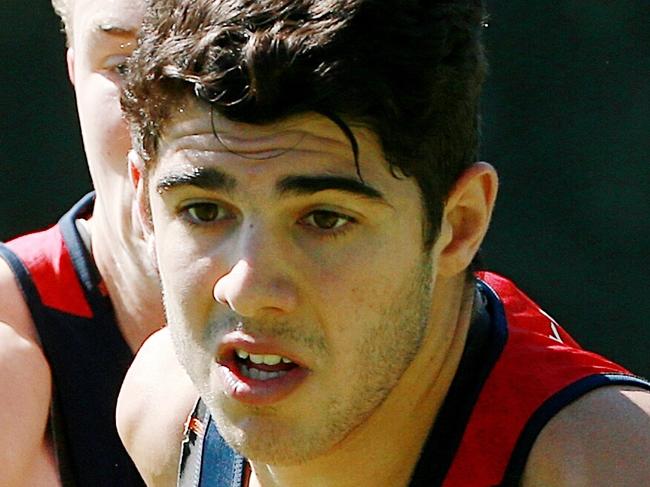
(194, 133)
(259, 161)
(94, 16)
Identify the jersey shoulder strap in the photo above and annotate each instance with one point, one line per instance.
(44, 270)
(87, 354)
(540, 370)
(533, 369)
(206, 459)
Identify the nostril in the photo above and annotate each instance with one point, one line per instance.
(232, 284)
(219, 298)
(249, 290)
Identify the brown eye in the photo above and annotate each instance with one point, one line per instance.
(205, 212)
(326, 220)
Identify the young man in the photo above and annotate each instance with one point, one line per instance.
(306, 174)
(77, 300)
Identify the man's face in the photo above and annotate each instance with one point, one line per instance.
(103, 36)
(271, 250)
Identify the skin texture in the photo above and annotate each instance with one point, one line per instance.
(94, 61)
(104, 35)
(379, 321)
(599, 441)
(155, 382)
(252, 259)
(25, 450)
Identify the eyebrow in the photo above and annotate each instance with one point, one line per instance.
(116, 30)
(214, 179)
(210, 179)
(306, 185)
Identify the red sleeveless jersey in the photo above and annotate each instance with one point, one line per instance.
(87, 354)
(518, 370)
(47, 259)
(540, 370)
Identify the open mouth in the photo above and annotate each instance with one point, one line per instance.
(257, 371)
(263, 367)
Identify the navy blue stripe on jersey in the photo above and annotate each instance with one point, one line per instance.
(221, 466)
(485, 342)
(82, 261)
(38, 313)
(552, 407)
(91, 359)
(206, 459)
(24, 281)
(88, 358)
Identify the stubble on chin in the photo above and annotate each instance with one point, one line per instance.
(383, 355)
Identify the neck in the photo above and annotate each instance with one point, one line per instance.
(379, 452)
(122, 259)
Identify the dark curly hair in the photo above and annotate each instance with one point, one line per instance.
(410, 70)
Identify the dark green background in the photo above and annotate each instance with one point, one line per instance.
(566, 122)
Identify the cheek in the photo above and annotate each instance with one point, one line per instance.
(105, 132)
(189, 305)
(371, 264)
(355, 290)
(186, 276)
(187, 272)
(358, 285)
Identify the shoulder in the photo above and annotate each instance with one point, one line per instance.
(155, 382)
(25, 383)
(13, 308)
(602, 439)
(20, 352)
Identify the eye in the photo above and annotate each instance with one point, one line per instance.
(120, 69)
(116, 64)
(326, 220)
(205, 212)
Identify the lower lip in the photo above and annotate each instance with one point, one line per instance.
(259, 392)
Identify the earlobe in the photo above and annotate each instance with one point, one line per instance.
(466, 217)
(69, 58)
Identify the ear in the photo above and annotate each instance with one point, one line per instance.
(466, 217)
(138, 181)
(69, 59)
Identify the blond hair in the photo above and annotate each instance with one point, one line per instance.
(63, 9)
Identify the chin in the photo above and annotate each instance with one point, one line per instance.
(264, 440)
(277, 451)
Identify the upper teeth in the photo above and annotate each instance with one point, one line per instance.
(262, 359)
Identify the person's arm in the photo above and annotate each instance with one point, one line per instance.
(601, 440)
(25, 382)
(155, 400)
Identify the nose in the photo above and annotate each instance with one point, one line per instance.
(257, 283)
